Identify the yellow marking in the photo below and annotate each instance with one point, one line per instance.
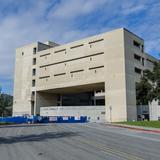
(112, 152)
(108, 151)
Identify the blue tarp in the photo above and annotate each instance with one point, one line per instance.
(40, 119)
(14, 120)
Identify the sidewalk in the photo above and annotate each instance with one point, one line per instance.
(138, 128)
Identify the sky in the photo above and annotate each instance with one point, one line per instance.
(26, 21)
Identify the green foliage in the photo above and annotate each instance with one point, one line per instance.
(155, 124)
(6, 102)
(148, 89)
(143, 92)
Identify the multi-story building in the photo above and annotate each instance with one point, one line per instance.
(95, 76)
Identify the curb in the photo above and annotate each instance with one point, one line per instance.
(135, 128)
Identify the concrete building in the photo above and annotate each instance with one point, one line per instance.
(90, 75)
(154, 110)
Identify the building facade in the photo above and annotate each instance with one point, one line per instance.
(99, 71)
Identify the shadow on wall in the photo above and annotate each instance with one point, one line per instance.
(36, 138)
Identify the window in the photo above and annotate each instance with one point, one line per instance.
(34, 50)
(61, 50)
(137, 57)
(45, 54)
(97, 67)
(34, 72)
(44, 77)
(22, 53)
(81, 70)
(80, 45)
(137, 70)
(34, 61)
(137, 44)
(150, 61)
(143, 61)
(60, 74)
(33, 83)
(96, 41)
(142, 48)
(33, 93)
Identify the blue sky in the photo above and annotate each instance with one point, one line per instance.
(63, 21)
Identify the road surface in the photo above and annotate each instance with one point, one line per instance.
(89, 141)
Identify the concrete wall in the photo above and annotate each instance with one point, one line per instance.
(154, 111)
(23, 80)
(44, 99)
(130, 75)
(115, 87)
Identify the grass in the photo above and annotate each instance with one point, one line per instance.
(4, 123)
(154, 124)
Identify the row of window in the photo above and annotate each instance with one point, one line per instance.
(73, 59)
(61, 50)
(141, 59)
(73, 47)
(137, 70)
(75, 71)
(34, 61)
(138, 45)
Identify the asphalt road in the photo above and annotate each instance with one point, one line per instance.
(76, 142)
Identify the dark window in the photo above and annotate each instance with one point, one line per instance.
(142, 48)
(61, 50)
(137, 44)
(137, 70)
(81, 70)
(150, 61)
(33, 93)
(97, 67)
(33, 83)
(96, 41)
(60, 74)
(34, 50)
(80, 45)
(22, 53)
(34, 61)
(45, 54)
(143, 61)
(137, 57)
(34, 72)
(44, 77)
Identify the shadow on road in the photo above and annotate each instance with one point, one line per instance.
(23, 125)
(36, 137)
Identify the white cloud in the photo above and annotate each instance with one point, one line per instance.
(73, 8)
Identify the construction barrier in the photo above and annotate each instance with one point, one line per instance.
(17, 120)
(68, 119)
(40, 119)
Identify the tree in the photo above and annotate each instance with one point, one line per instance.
(148, 89)
(143, 90)
(6, 102)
